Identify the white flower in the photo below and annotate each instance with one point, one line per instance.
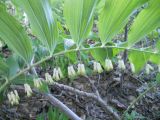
(81, 69)
(132, 67)
(71, 72)
(9, 97)
(121, 65)
(57, 74)
(148, 68)
(108, 65)
(60, 73)
(28, 90)
(37, 83)
(16, 94)
(48, 78)
(97, 68)
(13, 97)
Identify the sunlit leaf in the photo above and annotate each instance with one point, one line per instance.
(79, 18)
(14, 35)
(139, 59)
(4, 68)
(114, 16)
(43, 25)
(147, 20)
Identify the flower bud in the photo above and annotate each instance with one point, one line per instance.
(81, 69)
(97, 68)
(16, 97)
(28, 90)
(121, 65)
(9, 97)
(108, 65)
(132, 68)
(148, 68)
(37, 83)
(13, 98)
(57, 78)
(16, 94)
(54, 73)
(60, 73)
(48, 78)
(71, 72)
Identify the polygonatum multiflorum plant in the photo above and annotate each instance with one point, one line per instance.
(72, 35)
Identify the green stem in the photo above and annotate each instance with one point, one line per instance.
(64, 52)
(137, 99)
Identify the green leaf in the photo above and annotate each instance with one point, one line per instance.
(43, 25)
(147, 20)
(101, 54)
(79, 18)
(14, 35)
(51, 114)
(21, 80)
(13, 65)
(4, 68)
(139, 59)
(40, 117)
(114, 16)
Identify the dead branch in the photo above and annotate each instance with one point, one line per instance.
(107, 108)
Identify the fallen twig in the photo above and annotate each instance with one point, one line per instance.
(54, 101)
(96, 97)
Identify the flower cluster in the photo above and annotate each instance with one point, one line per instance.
(108, 65)
(57, 74)
(71, 72)
(13, 97)
(48, 78)
(97, 68)
(37, 82)
(81, 69)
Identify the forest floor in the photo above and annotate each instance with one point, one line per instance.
(118, 89)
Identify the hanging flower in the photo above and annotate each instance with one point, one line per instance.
(97, 68)
(37, 83)
(81, 69)
(13, 97)
(71, 72)
(108, 65)
(132, 68)
(57, 74)
(28, 90)
(121, 65)
(16, 94)
(48, 78)
(60, 73)
(149, 68)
